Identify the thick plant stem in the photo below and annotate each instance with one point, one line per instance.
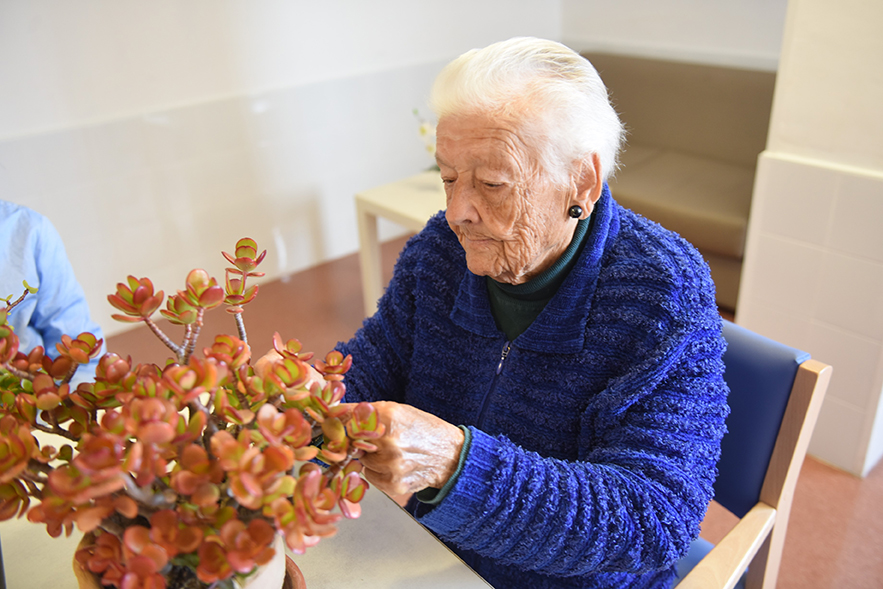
(31, 484)
(55, 430)
(112, 527)
(145, 495)
(193, 336)
(188, 332)
(196, 406)
(211, 428)
(22, 374)
(163, 337)
(240, 325)
(70, 374)
(338, 467)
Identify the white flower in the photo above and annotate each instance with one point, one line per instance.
(427, 132)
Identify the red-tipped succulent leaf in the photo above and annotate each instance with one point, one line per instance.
(202, 290)
(246, 258)
(135, 299)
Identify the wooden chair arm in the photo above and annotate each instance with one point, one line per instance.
(724, 565)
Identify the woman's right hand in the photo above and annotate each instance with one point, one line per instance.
(418, 450)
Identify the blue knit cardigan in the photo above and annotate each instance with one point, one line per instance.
(595, 438)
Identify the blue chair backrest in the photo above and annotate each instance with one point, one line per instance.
(760, 373)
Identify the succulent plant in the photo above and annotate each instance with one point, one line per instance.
(199, 463)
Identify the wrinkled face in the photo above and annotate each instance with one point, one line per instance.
(511, 221)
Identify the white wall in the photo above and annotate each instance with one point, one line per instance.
(813, 273)
(69, 63)
(154, 134)
(737, 33)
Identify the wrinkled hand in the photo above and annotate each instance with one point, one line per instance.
(418, 450)
(265, 361)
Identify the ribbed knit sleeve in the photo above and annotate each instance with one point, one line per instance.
(383, 347)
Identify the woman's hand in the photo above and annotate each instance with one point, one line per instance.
(264, 362)
(418, 450)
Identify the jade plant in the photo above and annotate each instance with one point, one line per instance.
(194, 466)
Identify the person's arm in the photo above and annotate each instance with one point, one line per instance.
(381, 348)
(632, 504)
(61, 303)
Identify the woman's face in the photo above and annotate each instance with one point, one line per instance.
(511, 221)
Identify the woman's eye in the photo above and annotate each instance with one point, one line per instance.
(448, 180)
(493, 184)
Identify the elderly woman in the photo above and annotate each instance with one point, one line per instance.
(548, 363)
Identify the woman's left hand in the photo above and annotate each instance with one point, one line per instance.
(418, 450)
(265, 362)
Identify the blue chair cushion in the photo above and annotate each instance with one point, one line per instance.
(760, 373)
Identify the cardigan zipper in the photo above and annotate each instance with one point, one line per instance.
(487, 396)
(503, 355)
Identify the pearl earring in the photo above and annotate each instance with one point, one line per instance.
(575, 211)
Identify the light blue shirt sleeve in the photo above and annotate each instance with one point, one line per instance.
(31, 249)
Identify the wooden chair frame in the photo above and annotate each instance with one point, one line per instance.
(759, 537)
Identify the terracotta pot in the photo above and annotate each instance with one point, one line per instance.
(279, 573)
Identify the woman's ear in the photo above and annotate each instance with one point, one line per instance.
(588, 183)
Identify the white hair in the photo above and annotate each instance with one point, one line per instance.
(552, 92)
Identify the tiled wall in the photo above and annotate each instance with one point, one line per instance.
(158, 194)
(814, 279)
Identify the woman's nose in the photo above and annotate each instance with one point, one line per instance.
(461, 208)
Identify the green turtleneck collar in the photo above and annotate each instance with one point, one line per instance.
(516, 306)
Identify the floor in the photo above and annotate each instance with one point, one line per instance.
(835, 537)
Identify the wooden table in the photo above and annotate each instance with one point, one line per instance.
(410, 203)
(383, 549)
